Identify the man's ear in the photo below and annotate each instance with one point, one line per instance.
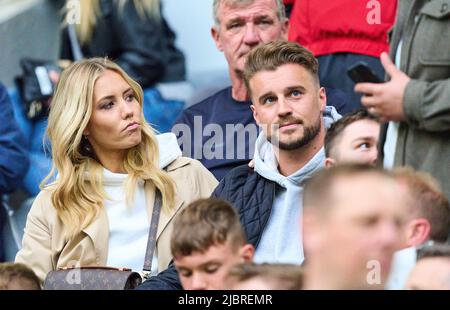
(329, 162)
(285, 32)
(322, 98)
(255, 113)
(417, 231)
(246, 252)
(215, 33)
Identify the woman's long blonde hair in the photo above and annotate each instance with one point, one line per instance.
(74, 161)
(90, 10)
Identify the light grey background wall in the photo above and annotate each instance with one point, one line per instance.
(28, 28)
(192, 21)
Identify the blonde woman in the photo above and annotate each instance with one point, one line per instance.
(131, 32)
(108, 163)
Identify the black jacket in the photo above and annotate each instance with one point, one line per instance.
(144, 48)
(251, 195)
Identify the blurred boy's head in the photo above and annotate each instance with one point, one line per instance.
(432, 270)
(353, 139)
(352, 224)
(207, 240)
(428, 215)
(249, 276)
(18, 277)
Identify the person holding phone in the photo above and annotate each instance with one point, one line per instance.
(340, 33)
(416, 100)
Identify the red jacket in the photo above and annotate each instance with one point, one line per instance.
(333, 26)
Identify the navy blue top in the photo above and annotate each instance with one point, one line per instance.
(220, 112)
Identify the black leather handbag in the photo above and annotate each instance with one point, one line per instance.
(107, 278)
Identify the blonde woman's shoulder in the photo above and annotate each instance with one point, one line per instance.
(42, 204)
(191, 175)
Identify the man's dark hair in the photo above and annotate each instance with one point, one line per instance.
(433, 249)
(270, 56)
(334, 133)
(23, 276)
(205, 223)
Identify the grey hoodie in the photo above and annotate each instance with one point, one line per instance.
(169, 149)
(281, 241)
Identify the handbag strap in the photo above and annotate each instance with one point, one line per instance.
(151, 243)
(74, 43)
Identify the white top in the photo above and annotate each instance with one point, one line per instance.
(128, 225)
(403, 262)
(392, 131)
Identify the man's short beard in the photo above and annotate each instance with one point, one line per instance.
(309, 133)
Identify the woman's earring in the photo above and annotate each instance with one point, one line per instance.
(86, 144)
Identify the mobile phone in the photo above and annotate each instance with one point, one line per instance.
(360, 72)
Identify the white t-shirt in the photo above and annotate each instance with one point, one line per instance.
(392, 131)
(403, 262)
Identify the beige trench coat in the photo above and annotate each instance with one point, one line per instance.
(44, 247)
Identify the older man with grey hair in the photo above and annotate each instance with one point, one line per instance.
(239, 26)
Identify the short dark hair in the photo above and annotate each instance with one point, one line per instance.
(286, 276)
(433, 249)
(334, 133)
(317, 190)
(204, 223)
(270, 56)
(428, 201)
(10, 272)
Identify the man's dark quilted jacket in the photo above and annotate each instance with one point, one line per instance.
(251, 195)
